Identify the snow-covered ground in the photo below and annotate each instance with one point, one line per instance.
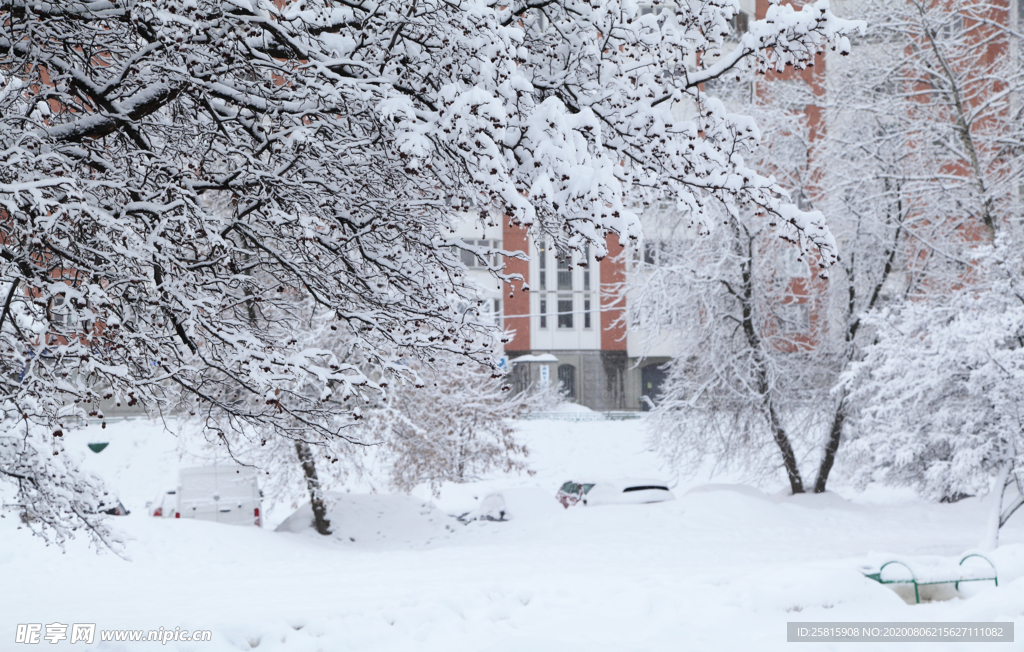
(723, 567)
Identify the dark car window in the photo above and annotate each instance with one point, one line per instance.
(570, 488)
(587, 488)
(644, 488)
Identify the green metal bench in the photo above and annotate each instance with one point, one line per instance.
(913, 578)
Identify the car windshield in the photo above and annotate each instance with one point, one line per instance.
(645, 487)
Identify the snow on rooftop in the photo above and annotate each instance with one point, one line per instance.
(543, 357)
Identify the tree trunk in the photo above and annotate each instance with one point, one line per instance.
(316, 498)
(991, 540)
(746, 251)
(796, 483)
(831, 446)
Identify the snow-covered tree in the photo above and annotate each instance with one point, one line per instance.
(340, 136)
(938, 396)
(925, 146)
(750, 317)
(913, 161)
(454, 427)
(746, 374)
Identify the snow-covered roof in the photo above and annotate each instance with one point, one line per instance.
(544, 357)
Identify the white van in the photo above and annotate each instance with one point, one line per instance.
(225, 494)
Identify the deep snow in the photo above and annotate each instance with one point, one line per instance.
(722, 567)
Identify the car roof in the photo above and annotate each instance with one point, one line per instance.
(623, 483)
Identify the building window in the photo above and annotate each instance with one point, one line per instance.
(655, 252)
(652, 377)
(542, 261)
(954, 27)
(56, 312)
(650, 252)
(740, 22)
(565, 311)
(497, 312)
(794, 318)
(535, 20)
(567, 380)
(586, 311)
(564, 273)
(472, 260)
(803, 202)
(793, 263)
(586, 268)
(659, 9)
(543, 313)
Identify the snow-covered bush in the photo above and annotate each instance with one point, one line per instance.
(454, 427)
(938, 396)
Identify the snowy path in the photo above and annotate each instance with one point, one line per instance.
(721, 568)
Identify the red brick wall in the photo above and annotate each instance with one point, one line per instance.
(517, 306)
(612, 274)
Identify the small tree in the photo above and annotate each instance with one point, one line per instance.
(744, 375)
(452, 426)
(304, 463)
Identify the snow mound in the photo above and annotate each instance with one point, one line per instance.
(375, 521)
(792, 588)
(824, 500)
(735, 488)
(519, 503)
(571, 408)
(1009, 559)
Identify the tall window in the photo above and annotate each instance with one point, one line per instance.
(564, 273)
(586, 287)
(542, 261)
(740, 22)
(565, 311)
(559, 293)
(586, 268)
(567, 380)
(954, 27)
(57, 312)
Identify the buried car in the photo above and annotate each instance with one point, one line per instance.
(114, 507)
(614, 492)
(225, 494)
(526, 503)
(165, 504)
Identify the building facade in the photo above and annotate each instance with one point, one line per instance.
(568, 330)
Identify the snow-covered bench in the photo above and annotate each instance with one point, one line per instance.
(931, 571)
